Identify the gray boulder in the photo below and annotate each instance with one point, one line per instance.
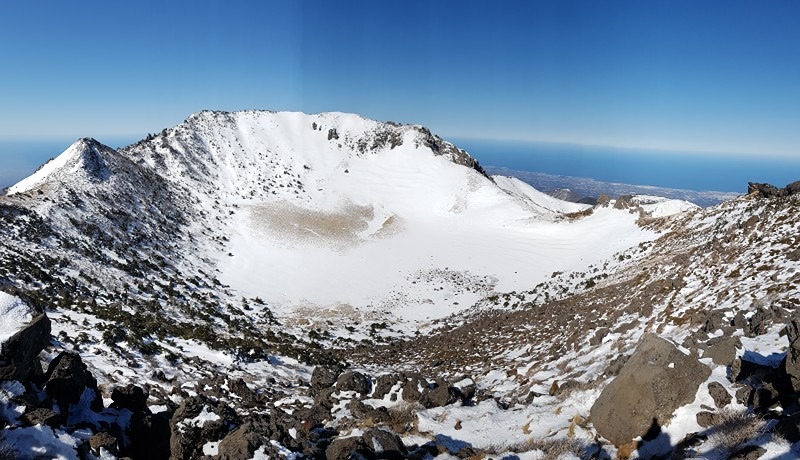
(722, 350)
(655, 381)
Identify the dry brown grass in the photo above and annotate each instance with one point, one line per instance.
(733, 428)
(403, 417)
(552, 448)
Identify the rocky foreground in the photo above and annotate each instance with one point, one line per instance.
(61, 410)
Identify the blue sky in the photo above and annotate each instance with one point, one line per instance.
(717, 76)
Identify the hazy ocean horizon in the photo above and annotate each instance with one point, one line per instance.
(681, 170)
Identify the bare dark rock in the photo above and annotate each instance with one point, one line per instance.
(598, 336)
(246, 396)
(384, 384)
(739, 321)
(765, 190)
(792, 362)
(760, 322)
(765, 397)
(788, 427)
(188, 437)
(354, 381)
(706, 419)
(18, 358)
(616, 365)
(241, 442)
(129, 397)
(67, 378)
(744, 395)
(150, 436)
(412, 389)
(440, 395)
(324, 377)
(385, 444)
(656, 380)
(744, 370)
(348, 448)
(719, 394)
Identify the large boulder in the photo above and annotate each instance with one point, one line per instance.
(765, 190)
(197, 421)
(150, 436)
(385, 444)
(19, 354)
(347, 448)
(129, 397)
(655, 381)
(67, 378)
(324, 377)
(241, 442)
(354, 381)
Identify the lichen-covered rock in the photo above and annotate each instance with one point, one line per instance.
(655, 381)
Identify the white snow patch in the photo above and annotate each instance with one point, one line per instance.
(211, 448)
(42, 442)
(14, 316)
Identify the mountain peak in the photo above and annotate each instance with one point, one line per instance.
(85, 154)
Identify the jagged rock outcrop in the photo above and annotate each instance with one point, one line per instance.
(67, 378)
(792, 362)
(763, 190)
(656, 380)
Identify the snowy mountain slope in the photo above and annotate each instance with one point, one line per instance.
(324, 216)
(358, 213)
(254, 245)
(516, 187)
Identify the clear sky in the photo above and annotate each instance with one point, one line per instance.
(720, 76)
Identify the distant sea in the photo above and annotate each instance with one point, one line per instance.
(678, 170)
